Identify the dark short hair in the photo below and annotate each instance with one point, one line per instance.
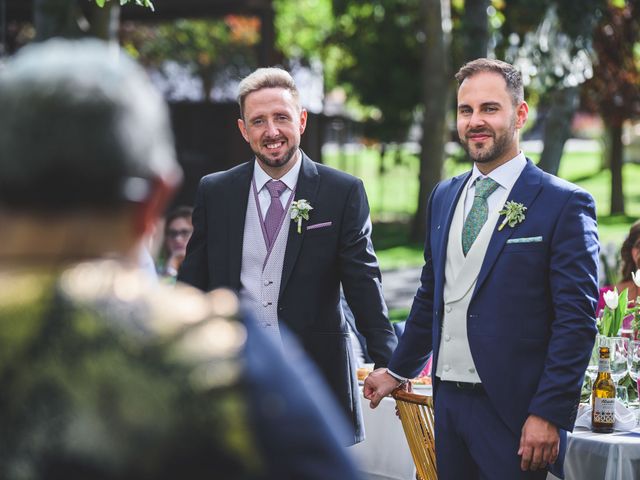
(271, 77)
(81, 126)
(511, 75)
(181, 211)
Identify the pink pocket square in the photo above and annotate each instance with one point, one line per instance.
(319, 225)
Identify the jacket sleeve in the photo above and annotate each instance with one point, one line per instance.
(415, 345)
(574, 289)
(194, 267)
(361, 278)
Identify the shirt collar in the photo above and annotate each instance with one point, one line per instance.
(290, 179)
(506, 174)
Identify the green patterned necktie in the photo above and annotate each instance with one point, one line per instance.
(478, 213)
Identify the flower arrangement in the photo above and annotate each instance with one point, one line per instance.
(614, 311)
(635, 323)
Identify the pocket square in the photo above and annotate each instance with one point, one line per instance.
(319, 225)
(525, 240)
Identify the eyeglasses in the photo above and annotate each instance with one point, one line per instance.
(173, 234)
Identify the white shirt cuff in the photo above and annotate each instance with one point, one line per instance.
(397, 377)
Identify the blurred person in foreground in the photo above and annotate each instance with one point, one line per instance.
(177, 232)
(104, 373)
(286, 233)
(507, 297)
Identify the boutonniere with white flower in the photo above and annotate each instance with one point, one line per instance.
(513, 214)
(300, 211)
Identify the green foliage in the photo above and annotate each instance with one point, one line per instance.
(382, 40)
(208, 47)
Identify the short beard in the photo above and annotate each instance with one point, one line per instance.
(277, 163)
(500, 145)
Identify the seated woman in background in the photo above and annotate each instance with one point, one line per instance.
(177, 232)
(630, 258)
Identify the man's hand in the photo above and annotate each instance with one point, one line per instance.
(539, 443)
(378, 385)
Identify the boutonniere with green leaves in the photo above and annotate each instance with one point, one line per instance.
(300, 211)
(513, 214)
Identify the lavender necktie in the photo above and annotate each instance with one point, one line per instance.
(273, 218)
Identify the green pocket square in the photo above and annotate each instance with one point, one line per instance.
(525, 240)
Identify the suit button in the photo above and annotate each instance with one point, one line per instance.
(472, 370)
(447, 338)
(448, 309)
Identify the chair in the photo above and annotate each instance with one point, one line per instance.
(416, 415)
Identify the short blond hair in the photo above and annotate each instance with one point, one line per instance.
(270, 77)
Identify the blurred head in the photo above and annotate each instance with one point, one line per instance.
(177, 231)
(630, 252)
(82, 129)
(491, 110)
(272, 120)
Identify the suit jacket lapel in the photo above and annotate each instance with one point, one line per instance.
(524, 191)
(307, 188)
(238, 199)
(444, 224)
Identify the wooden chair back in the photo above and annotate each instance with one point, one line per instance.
(416, 415)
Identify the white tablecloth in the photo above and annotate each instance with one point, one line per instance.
(597, 456)
(384, 455)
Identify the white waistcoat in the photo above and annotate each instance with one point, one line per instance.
(261, 271)
(455, 362)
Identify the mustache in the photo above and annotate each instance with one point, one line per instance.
(479, 131)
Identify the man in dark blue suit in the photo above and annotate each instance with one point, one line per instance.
(507, 297)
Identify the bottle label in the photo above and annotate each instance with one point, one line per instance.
(604, 366)
(604, 410)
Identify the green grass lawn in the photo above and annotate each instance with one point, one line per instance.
(393, 197)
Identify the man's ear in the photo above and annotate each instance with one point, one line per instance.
(243, 129)
(149, 210)
(303, 120)
(522, 113)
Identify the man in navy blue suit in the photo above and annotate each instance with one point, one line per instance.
(507, 297)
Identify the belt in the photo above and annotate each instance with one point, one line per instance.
(476, 387)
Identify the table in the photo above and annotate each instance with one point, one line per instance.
(384, 455)
(597, 456)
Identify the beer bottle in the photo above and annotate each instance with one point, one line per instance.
(603, 397)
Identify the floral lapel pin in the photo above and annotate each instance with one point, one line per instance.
(513, 214)
(300, 211)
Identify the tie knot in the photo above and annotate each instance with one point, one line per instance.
(485, 187)
(275, 187)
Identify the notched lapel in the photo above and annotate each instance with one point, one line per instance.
(307, 188)
(238, 198)
(442, 225)
(524, 191)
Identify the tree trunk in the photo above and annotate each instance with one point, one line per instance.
(56, 18)
(476, 25)
(105, 21)
(435, 93)
(557, 128)
(615, 161)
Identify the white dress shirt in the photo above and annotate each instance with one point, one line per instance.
(505, 175)
(290, 179)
